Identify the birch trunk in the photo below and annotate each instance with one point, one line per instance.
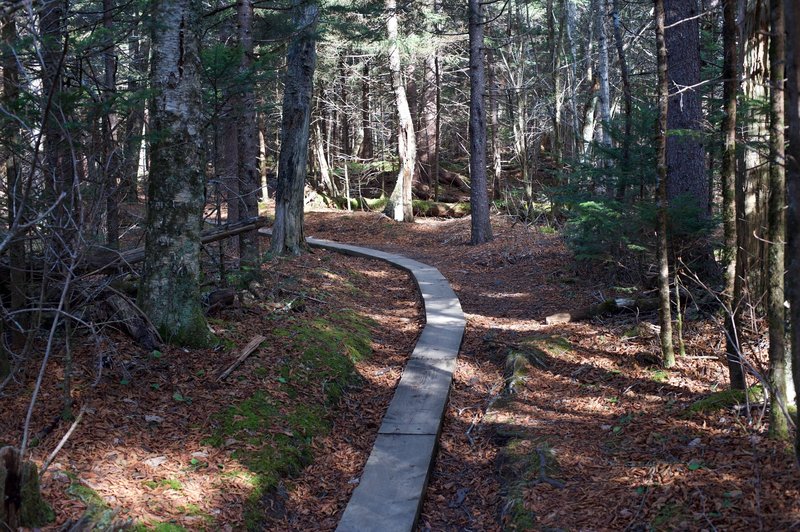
(602, 71)
(399, 205)
(169, 291)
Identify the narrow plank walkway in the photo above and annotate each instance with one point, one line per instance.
(390, 492)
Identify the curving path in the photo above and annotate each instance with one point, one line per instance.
(392, 486)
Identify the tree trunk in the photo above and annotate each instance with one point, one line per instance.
(664, 311)
(479, 198)
(14, 193)
(134, 124)
(227, 164)
(169, 292)
(792, 17)
(427, 130)
(729, 193)
(778, 364)
(366, 148)
(399, 205)
(494, 113)
(301, 61)
(569, 6)
(111, 154)
(248, 175)
(602, 72)
(685, 152)
(626, 91)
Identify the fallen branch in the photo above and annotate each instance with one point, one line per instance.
(102, 259)
(72, 427)
(609, 306)
(246, 352)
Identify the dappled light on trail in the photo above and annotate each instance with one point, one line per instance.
(575, 426)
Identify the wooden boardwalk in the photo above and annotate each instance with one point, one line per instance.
(392, 485)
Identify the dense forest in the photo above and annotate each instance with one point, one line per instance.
(145, 143)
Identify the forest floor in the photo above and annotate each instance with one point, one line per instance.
(595, 436)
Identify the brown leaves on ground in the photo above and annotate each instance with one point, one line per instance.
(595, 437)
(616, 430)
(142, 445)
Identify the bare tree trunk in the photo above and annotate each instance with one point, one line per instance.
(169, 291)
(602, 71)
(479, 199)
(14, 194)
(399, 205)
(776, 315)
(497, 158)
(553, 44)
(301, 61)
(111, 154)
(262, 156)
(729, 191)
(685, 153)
(366, 150)
(427, 130)
(626, 91)
(664, 311)
(792, 17)
(569, 6)
(346, 147)
(249, 185)
(139, 47)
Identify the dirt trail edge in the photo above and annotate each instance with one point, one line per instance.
(392, 486)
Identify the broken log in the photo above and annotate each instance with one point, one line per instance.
(609, 306)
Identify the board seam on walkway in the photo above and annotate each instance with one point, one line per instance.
(392, 485)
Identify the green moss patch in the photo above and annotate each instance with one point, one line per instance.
(723, 400)
(98, 512)
(273, 437)
(553, 346)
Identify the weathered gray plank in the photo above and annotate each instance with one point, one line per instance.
(389, 496)
(420, 398)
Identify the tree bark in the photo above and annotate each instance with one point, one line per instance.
(729, 193)
(626, 92)
(602, 72)
(301, 61)
(248, 175)
(169, 291)
(664, 311)
(427, 130)
(792, 18)
(14, 193)
(111, 154)
(399, 206)
(778, 364)
(365, 150)
(479, 199)
(685, 152)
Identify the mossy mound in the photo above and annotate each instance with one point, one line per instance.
(273, 437)
(723, 400)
